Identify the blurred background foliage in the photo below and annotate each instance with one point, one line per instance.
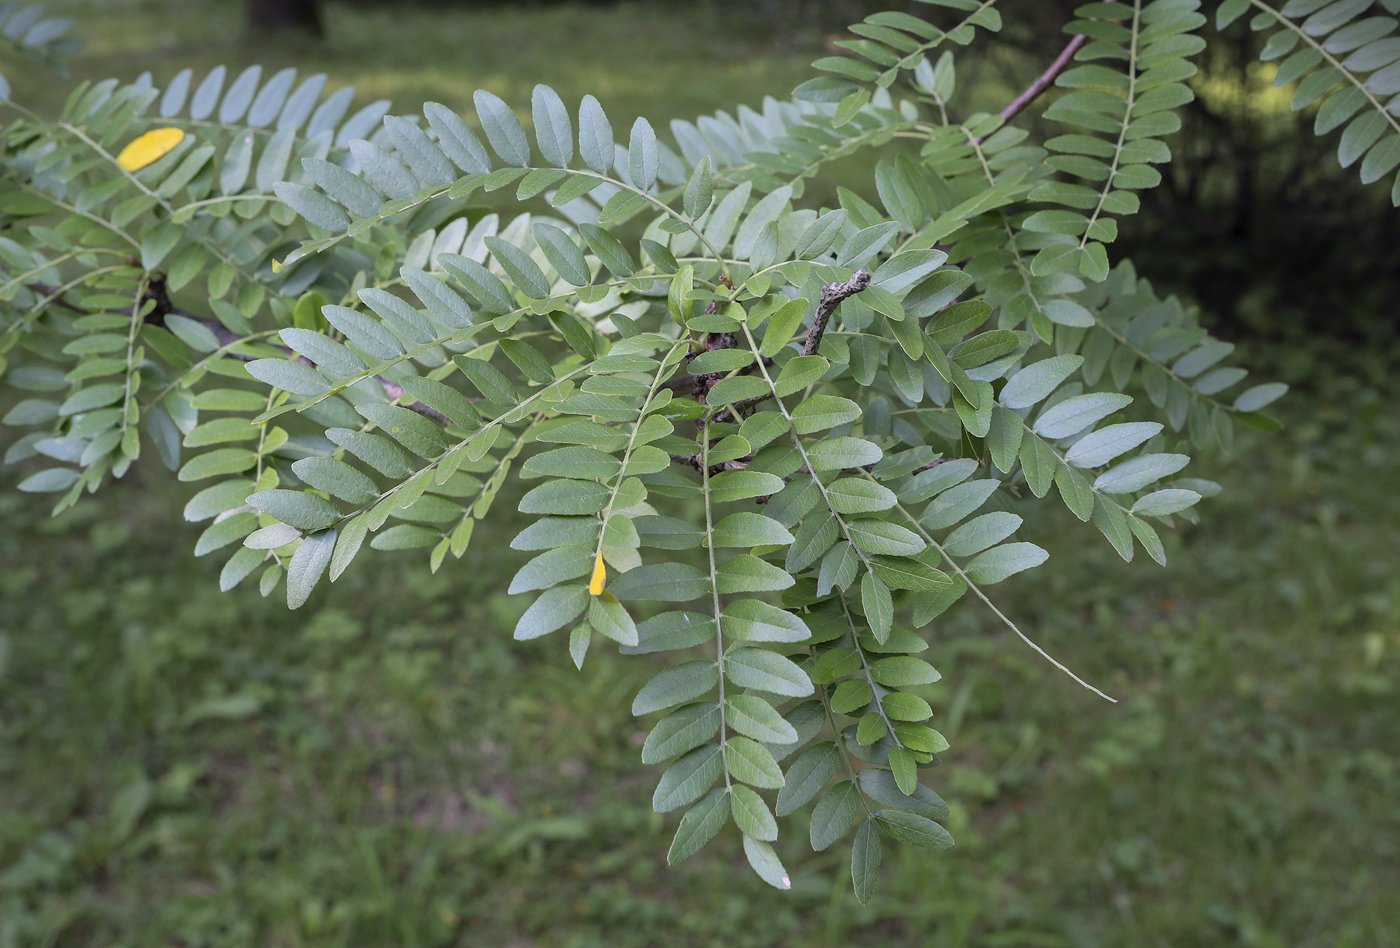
(180, 767)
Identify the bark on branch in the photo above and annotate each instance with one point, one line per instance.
(1042, 82)
(833, 295)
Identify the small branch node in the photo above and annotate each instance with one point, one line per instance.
(832, 296)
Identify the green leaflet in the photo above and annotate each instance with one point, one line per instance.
(1137, 473)
(565, 497)
(913, 829)
(610, 618)
(1104, 444)
(378, 452)
(878, 604)
(412, 430)
(308, 565)
(553, 566)
(676, 685)
(553, 130)
(746, 573)
(699, 826)
(981, 532)
(750, 620)
(297, 508)
(753, 717)
(337, 478)
(753, 764)
(672, 630)
(821, 412)
(765, 862)
(807, 776)
(289, 376)
(663, 582)
(686, 779)
(752, 816)
(741, 485)
(766, 671)
(748, 530)
(503, 129)
(581, 463)
(836, 812)
(554, 609)
(865, 860)
(680, 731)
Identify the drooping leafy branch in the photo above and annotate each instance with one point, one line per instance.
(771, 439)
(1347, 61)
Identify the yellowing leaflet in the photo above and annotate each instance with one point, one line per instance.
(600, 576)
(148, 147)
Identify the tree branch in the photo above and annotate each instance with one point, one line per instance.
(833, 295)
(1042, 82)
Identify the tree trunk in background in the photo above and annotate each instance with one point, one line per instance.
(279, 16)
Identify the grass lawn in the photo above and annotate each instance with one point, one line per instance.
(184, 767)
(638, 58)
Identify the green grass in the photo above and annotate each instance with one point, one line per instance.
(637, 58)
(185, 767)
(386, 767)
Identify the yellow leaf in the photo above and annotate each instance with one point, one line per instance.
(148, 147)
(600, 576)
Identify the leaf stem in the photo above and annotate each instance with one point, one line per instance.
(976, 590)
(1123, 130)
(714, 598)
(838, 739)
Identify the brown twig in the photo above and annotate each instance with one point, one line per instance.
(1042, 82)
(833, 295)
